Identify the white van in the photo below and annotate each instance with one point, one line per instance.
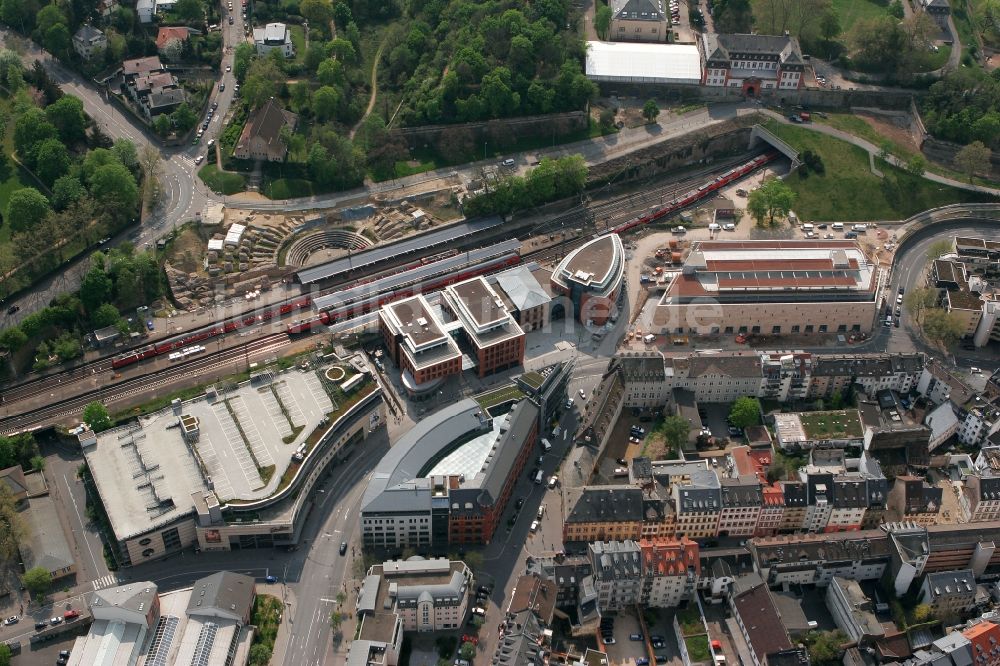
(792, 217)
(539, 477)
(860, 228)
(714, 227)
(837, 226)
(807, 227)
(546, 445)
(649, 338)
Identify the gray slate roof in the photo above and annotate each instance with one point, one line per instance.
(225, 591)
(522, 288)
(638, 10)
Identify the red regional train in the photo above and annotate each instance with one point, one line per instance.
(693, 196)
(229, 326)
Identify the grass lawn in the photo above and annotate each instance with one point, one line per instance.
(288, 188)
(832, 425)
(299, 41)
(221, 182)
(697, 648)
(848, 190)
(938, 60)
(850, 11)
(499, 396)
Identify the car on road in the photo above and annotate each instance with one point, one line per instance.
(12, 309)
(222, 86)
(620, 461)
(56, 620)
(229, 68)
(40, 625)
(642, 661)
(519, 503)
(657, 642)
(64, 653)
(343, 547)
(71, 614)
(569, 404)
(635, 637)
(608, 640)
(899, 299)
(197, 160)
(583, 396)
(270, 579)
(901, 291)
(211, 142)
(13, 619)
(230, 20)
(215, 105)
(896, 323)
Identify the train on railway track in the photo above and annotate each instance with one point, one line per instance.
(685, 200)
(194, 337)
(422, 276)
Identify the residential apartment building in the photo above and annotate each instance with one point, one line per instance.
(979, 419)
(152, 88)
(670, 569)
(979, 499)
(950, 594)
(698, 504)
(261, 138)
(913, 500)
(796, 506)
(984, 638)
(617, 567)
(772, 511)
(786, 376)
(88, 41)
(817, 558)
(639, 21)
(752, 63)
(603, 513)
(742, 498)
(834, 373)
(757, 616)
(426, 594)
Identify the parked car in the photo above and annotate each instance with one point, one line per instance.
(608, 640)
(197, 160)
(343, 547)
(12, 309)
(534, 526)
(56, 620)
(13, 619)
(635, 637)
(40, 625)
(230, 20)
(583, 396)
(270, 579)
(71, 614)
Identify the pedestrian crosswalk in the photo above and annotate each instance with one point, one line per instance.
(106, 581)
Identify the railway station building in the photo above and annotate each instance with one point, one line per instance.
(771, 287)
(591, 277)
(449, 479)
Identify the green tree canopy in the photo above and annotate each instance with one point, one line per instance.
(30, 129)
(771, 200)
(602, 21)
(26, 208)
(745, 412)
(52, 160)
(972, 159)
(37, 580)
(918, 299)
(67, 116)
(95, 288)
(96, 416)
(942, 327)
(650, 110)
(675, 430)
(189, 10)
(114, 188)
(105, 315)
(319, 13)
(66, 190)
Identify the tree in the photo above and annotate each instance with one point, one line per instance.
(66, 190)
(183, 117)
(162, 124)
(829, 25)
(242, 60)
(260, 654)
(189, 10)
(456, 144)
(12, 338)
(916, 166)
(150, 164)
(67, 116)
(330, 72)
(825, 647)
(342, 50)
(12, 526)
(318, 12)
(973, 158)
(57, 39)
(37, 580)
(30, 129)
(26, 208)
(650, 111)
(675, 430)
(745, 412)
(336, 619)
(342, 15)
(105, 315)
(896, 9)
(95, 288)
(919, 299)
(96, 416)
(259, 88)
(325, 102)
(942, 327)
(733, 16)
(938, 249)
(52, 160)
(922, 613)
(602, 21)
(5, 655)
(115, 189)
(467, 651)
(772, 199)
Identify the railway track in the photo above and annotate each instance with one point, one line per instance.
(73, 407)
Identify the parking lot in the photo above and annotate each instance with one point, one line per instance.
(625, 650)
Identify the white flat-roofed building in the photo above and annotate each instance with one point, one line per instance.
(590, 277)
(418, 344)
(488, 326)
(771, 287)
(274, 37)
(627, 62)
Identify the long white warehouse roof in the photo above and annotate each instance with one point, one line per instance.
(629, 62)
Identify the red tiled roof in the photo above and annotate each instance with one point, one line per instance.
(168, 33)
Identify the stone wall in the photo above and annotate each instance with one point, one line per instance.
(729, 138)
(943, 152)
(502, 131)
